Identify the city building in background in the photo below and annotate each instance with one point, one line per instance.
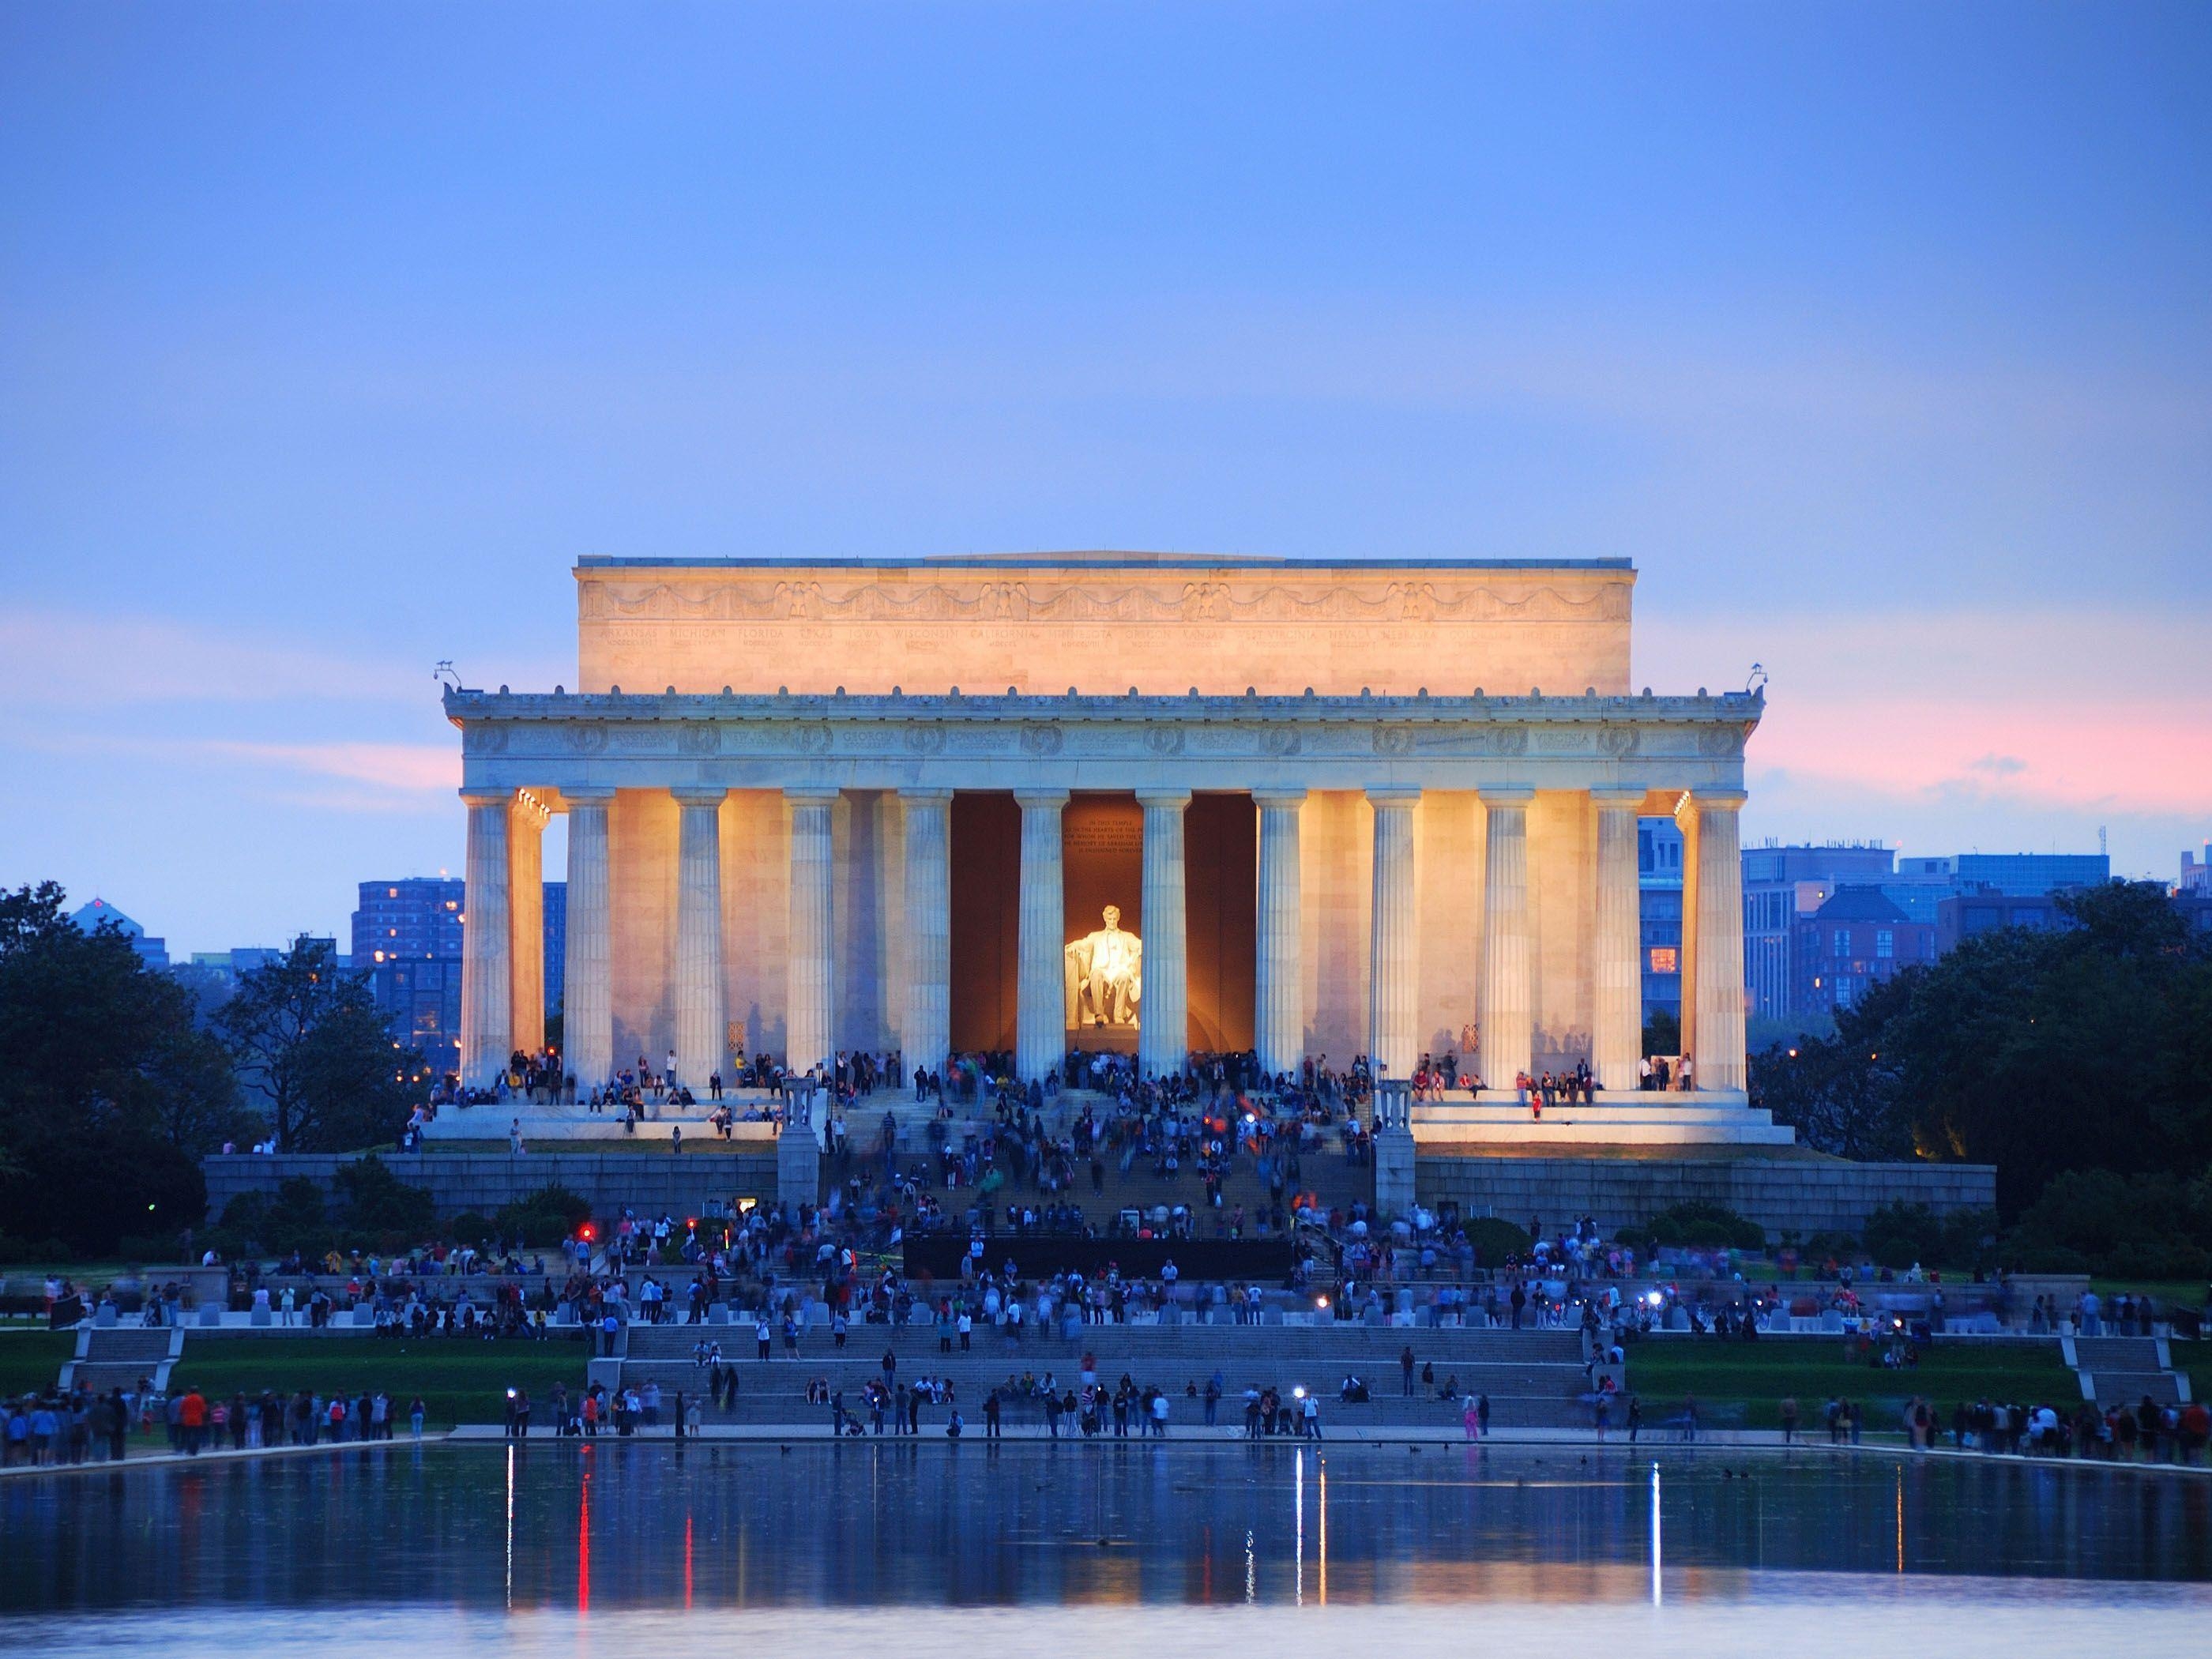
(2196, 872)
(407, 937)
(154, 952)
(1962, 915)
(1791, 962)
(556, 917)
(1659, 883)
(1856, 939)
(1782, 887)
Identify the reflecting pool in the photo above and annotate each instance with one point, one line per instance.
(923, 1547)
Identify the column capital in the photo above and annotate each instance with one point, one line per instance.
(1726, 800)
(1506, 794)
(475, 795)
(1177, 799)
(1279, 798)
(1621, 794)
(924, 796)
(1393, 794)
(687, 795)
(811, 794)
(1041, 797)
(586, 794)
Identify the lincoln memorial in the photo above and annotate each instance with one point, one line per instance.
(1152, 803)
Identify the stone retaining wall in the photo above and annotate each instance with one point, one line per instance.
(1799, 1195)
(482, 1182)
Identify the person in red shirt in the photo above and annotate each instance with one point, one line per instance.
(193, 1418)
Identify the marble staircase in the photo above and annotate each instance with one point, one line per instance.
(1615, 1117)
(1533, 1378)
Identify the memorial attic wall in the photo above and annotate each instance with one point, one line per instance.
(1104, 623)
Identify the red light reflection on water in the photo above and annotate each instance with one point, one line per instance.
(584, 1540)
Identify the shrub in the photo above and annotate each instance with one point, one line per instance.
(2144, 1226)
(1707, 1225)
(470, 1228)
(1898, 1234)
(543, 1218)
(1495, 1240)
(377, 1202)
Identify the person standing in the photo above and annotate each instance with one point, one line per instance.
(1406, 1370)
(117, 1425)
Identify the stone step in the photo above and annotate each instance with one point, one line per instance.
(1550, 1345)
(99, 1376)
(2115, 1387)
(2117, 1353)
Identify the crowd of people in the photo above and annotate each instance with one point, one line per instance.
(79, 1425)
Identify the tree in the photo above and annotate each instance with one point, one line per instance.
(1839, 1093)
(312, 1052)
(108, 1094)
(2084, 1047)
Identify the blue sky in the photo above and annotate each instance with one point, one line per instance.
(1878, 335)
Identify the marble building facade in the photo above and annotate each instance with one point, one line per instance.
(1367, 807)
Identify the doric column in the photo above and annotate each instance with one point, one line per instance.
(525, 884)
(487, 966)
(1040, 991)
(1163, 1017)
(1716, 1036)
(587, 1022)
(812, 972)
(1618, 1019)
(926, 1036)
(1279, 998)
(1506, 1048)
(701, 1035)
(1394, 938)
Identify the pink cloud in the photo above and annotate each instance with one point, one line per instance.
(408, 767)
(2128, 756)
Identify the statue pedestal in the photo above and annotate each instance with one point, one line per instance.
(1104, 1039)
(1394, 1169)
(799, 1165)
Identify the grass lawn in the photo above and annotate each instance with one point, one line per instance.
(1743, 1384)
(31, 1360)
(460, 1381)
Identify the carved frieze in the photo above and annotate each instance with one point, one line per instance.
(1270, 600)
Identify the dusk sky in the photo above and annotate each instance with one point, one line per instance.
(1878, 336)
